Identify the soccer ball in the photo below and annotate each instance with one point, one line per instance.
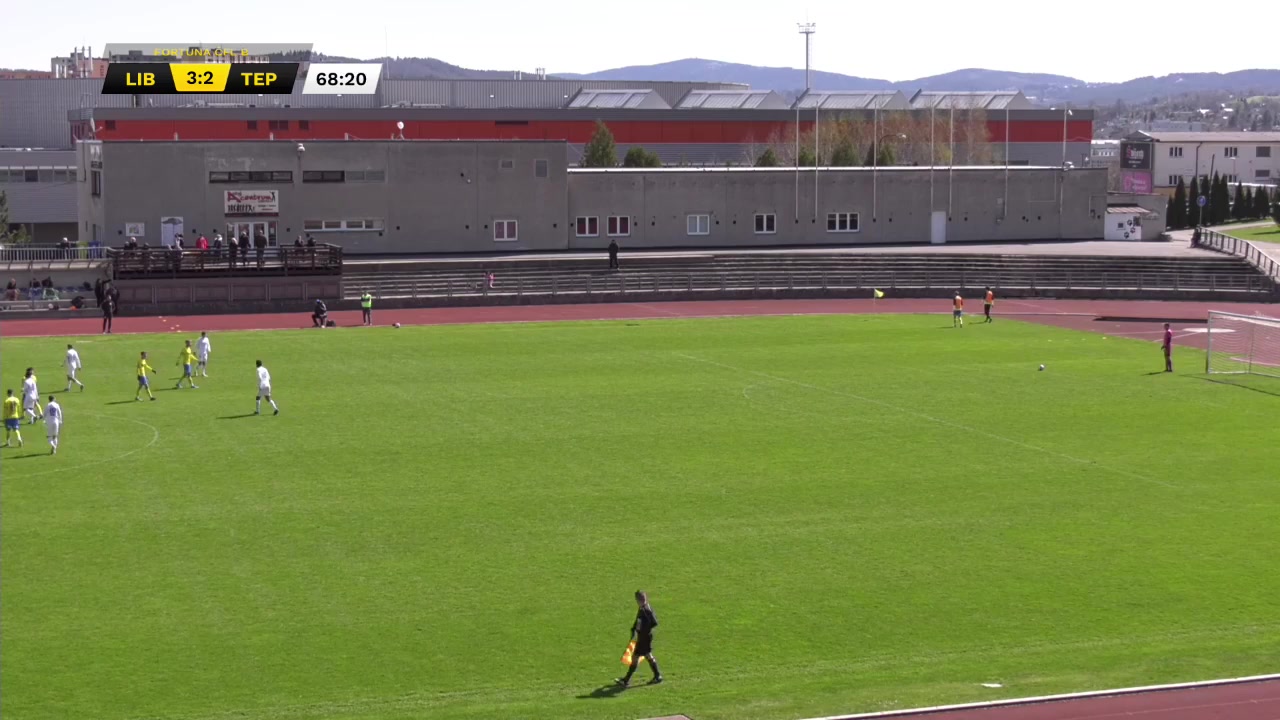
(398, 325)
(1042, 368)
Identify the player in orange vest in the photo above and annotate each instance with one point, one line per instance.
(957, 311)
(987, 302)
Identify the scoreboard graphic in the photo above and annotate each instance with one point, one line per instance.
(232, 69)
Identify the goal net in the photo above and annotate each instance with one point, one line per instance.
(1243, 345)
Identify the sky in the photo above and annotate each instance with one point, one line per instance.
(1085, 39)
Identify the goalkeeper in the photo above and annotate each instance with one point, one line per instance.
(642, 635)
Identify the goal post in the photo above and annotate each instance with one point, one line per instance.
(1243, 345)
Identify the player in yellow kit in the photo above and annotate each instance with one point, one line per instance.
(143, 384)
(12, 420)
(187, 359)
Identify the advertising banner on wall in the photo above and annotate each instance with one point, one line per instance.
(135, 229)
(1135, 156)
(249, 203)
(1136, 182)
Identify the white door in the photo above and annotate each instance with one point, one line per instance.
(938, 231)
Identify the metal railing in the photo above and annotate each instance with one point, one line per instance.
(913, 280)
(151, 262)
(1239, 247)
(10, 254)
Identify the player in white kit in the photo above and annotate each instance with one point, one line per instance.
(202, 355)
(31, 396)
(53, 423)
(73, 367)
(264, 390)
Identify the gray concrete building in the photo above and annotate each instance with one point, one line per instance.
(503, 196)
(40, 189)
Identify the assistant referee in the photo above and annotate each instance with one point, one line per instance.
(642, 633)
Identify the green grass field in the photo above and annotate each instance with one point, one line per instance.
(831, 514)
(1263, 233)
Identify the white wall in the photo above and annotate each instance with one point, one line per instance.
(1245, 166)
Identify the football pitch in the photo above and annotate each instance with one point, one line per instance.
(830, 514)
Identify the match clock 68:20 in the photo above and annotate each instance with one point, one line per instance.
(342, 79)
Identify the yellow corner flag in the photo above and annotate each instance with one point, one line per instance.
(878, 294)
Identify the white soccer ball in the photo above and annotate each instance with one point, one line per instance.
(1041, 367)
(397, 325)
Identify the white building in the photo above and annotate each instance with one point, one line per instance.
(1245, 157)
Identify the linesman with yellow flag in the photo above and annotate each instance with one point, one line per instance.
(641, 647)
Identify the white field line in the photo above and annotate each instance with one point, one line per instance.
(1056, 698)
(929, 418)
(155, 437)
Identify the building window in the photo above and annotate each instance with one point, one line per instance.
(62, 175)
(1229, 179)
(698, 225)
(369, 176)
(362, 225)
(540, 169)
(505, 231)
(32, 175)
(619, 226)
(1261, 173)
(507, 164)
(766, 223)
(277, 124)
(1175, 151)
(95, 183)
(1262, 151)
(1173, 179)
(326, 176)
(256, 176)
(251, 124)
(1230, 152)
(587, 226)
(843, 222)
(111, 125)
(304, 124)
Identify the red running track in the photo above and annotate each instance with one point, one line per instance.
(1142, 318)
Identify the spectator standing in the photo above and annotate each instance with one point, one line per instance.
(613, 254)
(366, 308)
(108, 306)
(260, 247)
(202, 243)
(233, 246)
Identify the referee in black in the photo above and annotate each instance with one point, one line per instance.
(642, 633)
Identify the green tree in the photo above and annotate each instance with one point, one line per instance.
(1261, 204)
(768, 158)
(1247, 210)
(17, 236)
(600, 152)
(1222, 202)
(1237, 204)
(880, 157)
(844, 155)
(1193, 207)
(1177, 216)
(806, 158)
(638, 157)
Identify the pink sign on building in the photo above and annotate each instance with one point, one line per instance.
(1136, 182)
